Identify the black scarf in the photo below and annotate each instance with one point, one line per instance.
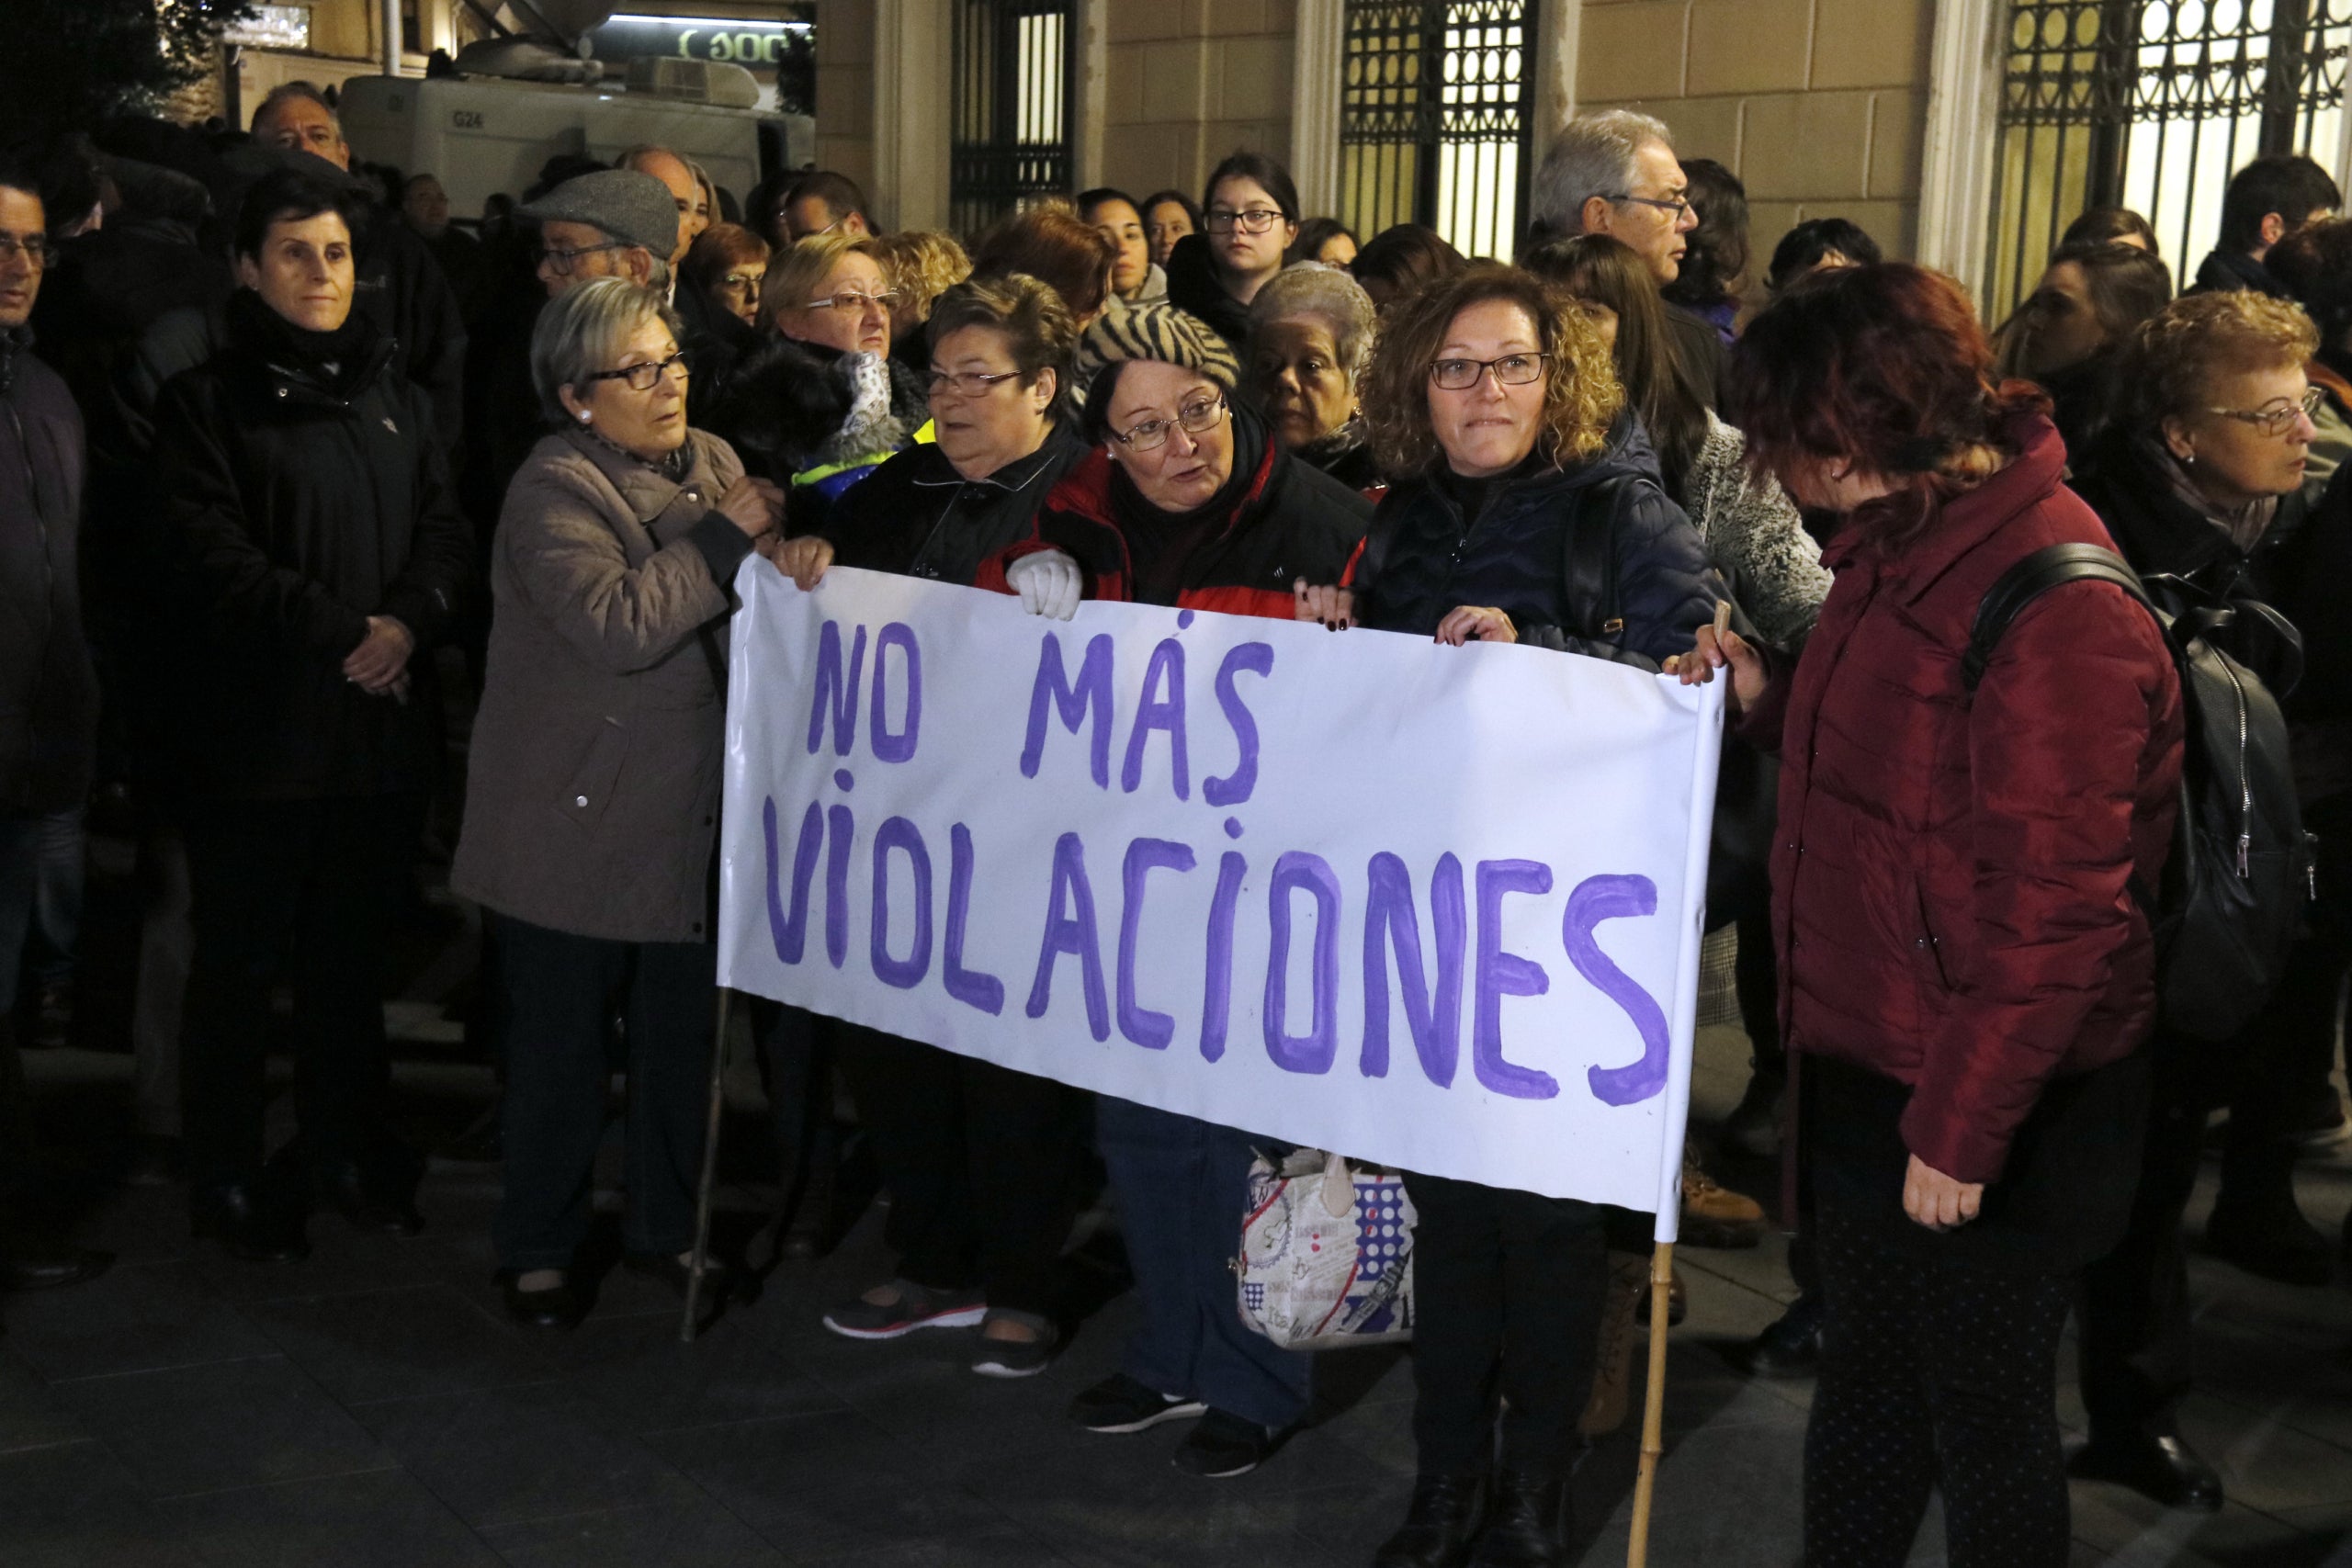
(1160, 542)
(335, 360)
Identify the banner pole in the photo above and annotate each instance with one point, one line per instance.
(687, 1320)
(1637, 1549)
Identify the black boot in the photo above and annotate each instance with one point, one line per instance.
(1525, 1522)
(1789, 1348)
(2153, 1462)
(258, 1225)
(1438, 1528)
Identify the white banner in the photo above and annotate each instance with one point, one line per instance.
(1434, 908)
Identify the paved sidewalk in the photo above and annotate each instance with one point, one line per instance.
(372, 1406)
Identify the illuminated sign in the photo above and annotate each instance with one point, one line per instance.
(758, 45)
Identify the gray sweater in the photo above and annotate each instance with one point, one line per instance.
(1756, 536)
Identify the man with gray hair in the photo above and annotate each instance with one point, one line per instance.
(1613, 172)
(678, 178)
(610, 223)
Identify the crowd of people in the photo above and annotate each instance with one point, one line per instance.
(297, 467)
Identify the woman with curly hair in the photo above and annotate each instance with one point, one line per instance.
(921, 264)
(1494, 408)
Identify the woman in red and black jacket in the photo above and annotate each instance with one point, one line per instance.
(1187, 501)
(1966, 977)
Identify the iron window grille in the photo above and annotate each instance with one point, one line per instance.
(1011, 111)
(1436, 104)
(2151, 104)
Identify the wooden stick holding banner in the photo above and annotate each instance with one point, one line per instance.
(689, 1324)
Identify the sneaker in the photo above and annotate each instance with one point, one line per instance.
(1221, 1446)
(1120, 1404)
(1016, 1358)
(910, 1307)
(1714, 1216)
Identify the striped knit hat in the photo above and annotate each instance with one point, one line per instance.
(1146, 332)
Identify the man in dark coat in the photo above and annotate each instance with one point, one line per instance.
(48, 693)
(313, 555)
(2268, 200)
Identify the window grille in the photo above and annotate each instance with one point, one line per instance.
(2151, 105)
(1011, 110)
(1436, 100)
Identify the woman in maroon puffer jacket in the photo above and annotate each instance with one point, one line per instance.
(1966, 975)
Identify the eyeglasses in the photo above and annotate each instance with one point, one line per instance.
(968, 383)
(563, 261)
(1256, 221)
(854, 302)
(646, 377)
(1676, 205)
(1511, 370)
(1198, 418)
(2278, 416)
(746, 282)
(34, 248)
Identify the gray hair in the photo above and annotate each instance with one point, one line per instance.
(583, 328)
(284, 92)
(1311, 289)
(1593, 155)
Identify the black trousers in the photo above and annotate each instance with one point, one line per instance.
(304, 889)
(561, 990)
(2136, 1337)
(979, 1161)
(1507, 1289)
(1938, 1370)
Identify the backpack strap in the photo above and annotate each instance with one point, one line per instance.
(1588, 567)
(2050, 567)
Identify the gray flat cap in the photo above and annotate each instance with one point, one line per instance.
(634, 208)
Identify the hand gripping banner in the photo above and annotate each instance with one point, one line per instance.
(1427, 906)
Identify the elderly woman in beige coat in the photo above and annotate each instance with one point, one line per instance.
(592, 796)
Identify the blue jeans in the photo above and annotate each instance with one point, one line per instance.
(1181, 1185)
(40, 897)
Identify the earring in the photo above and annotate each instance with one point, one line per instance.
(585, 416)
(2189, 461)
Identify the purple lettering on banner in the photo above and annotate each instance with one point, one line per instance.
(1093, 691)
(969, 986)
(1598, 898)
(843, 830)
(1504, 974)
(1235, 787)
(1312, 1051)
(1434, 1019)
(896, 746)
(835, 691)
(1167, 668)
(790, 933)
(1145, 1028)
(898, 833)
(1217, 994)
(1074, 932)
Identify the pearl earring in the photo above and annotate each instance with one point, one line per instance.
(584, 416)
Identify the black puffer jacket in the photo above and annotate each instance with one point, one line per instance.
(917, 516)
(48, 693)
(1424, 558)
(291, 506)
(1192, 285)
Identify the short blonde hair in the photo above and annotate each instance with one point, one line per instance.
(581, 330)
(2178, 352)
(1581, 393)
(921, 264)
(797, 272)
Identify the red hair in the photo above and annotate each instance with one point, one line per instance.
(1882, 367)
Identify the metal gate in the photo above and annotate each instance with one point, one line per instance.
(1436, 102)
(1011, 109)
(2151, 105)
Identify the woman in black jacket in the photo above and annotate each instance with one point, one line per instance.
(1527, 508)
(313, 555)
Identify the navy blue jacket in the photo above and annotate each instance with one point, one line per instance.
(1424, 559)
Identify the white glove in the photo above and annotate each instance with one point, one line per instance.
(1047, 582)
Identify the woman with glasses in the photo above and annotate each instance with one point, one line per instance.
(1249, 223)
(819, 404)
(979, 1159)
(592, 784)
(2201, 477)
(718, 300)
(1496, 413)
(1188, 501)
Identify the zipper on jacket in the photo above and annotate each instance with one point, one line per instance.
(2245, 788)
